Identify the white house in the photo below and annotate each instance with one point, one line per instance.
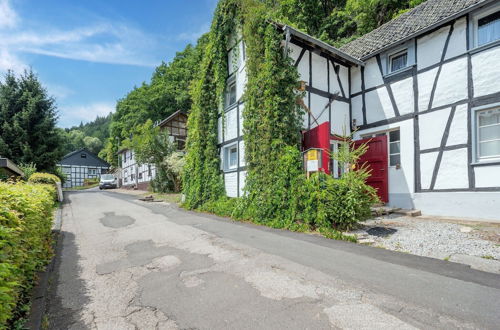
(80, 165)
(423, 90)
(135, 175)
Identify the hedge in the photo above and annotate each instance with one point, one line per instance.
(26, 214)
(44, 178)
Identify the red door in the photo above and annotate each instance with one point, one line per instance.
(377, 160)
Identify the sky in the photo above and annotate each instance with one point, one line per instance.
(88, 54)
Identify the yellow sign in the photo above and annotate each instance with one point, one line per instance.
(312, 155)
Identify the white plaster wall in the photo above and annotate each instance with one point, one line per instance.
(243, 176)
(319, 72)
(452, 83)
(425, 83)
(231, 184)
(431, 128)
(373, 77)
(453, 172)
(340, 118)
(303, 67)
(403, 95)
(355, 79)
(427, 164)
(430, 47)
(486, 71)
(334, 84)
(344, 79)
(230, 129)
(357, 109)
(487, 176)
(472, 205)
(378, 105)
(242, 153)
(318, 104)
(458, 41)
(458, 133)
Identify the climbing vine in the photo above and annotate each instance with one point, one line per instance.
(276, 191)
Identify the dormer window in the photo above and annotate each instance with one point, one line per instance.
(488, 29)
(83, 155)
(398, 61)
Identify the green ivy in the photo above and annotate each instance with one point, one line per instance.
(277, 193)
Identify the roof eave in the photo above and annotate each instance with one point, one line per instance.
(429, 28)
(323, 45)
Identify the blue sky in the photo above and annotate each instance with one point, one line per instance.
(90, 53)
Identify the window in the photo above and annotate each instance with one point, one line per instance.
(394, 148)
(488, 29)
(149, 170)
(92, 171)
(488, 134)
(140, 176)
(398, 61)
(231, 93)
(230, 154)
(83, 155)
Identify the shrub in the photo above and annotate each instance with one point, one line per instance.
(45, 178)
(28, 170)
(90, 181)
(60, 174)
(26, 213)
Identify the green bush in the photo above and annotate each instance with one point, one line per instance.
(45, 178)
(60, 174)
(28, 170)
(26, 213)
(90, 181)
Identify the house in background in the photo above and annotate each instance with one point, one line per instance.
(80, 165)
(422, 90)
(138, 176)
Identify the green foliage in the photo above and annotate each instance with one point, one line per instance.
(167, 92)
(153, 146)
(28, 118)
(25, 243)
(91, 135)
(44, 178)
(277, 192)
(28, 170)
(60, 174)
(339, 21)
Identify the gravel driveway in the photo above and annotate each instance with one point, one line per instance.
(476, 244)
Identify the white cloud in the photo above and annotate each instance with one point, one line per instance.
(8, 17)
(70, 115)
(100, 41)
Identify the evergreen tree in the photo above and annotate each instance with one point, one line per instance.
(28, 117)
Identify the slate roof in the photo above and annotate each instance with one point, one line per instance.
(416, 21)
(73, 158)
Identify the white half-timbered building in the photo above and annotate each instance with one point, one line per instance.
(81, 164)
(135, 175)
(423, 90)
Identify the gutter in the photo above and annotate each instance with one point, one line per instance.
(429, 28)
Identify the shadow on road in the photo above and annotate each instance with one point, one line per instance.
(67, 293)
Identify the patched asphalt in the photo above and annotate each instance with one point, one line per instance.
(126, 264)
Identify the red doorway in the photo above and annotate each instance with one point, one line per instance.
(376, 159)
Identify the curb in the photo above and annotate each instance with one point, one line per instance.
(39, 292)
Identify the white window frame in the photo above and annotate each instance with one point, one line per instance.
(226, 156)
(391, 56)
(475, 134)
(231, 81)
(474, 29)
(92, 171)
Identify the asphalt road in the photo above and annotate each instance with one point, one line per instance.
(126, 264)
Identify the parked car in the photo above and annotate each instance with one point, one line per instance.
(108, 181)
